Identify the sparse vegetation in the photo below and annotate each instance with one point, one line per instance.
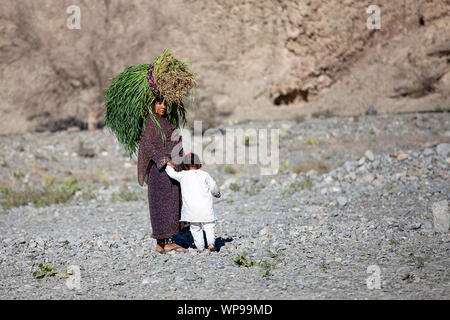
(100, 176)
(411, 259)
(253, 191)
(323, 266)
(322, 114)
(242, 261)
(51, 193)
(306, 183)
(229, 169)
(311, 141)
(126, 195)
(283, 166)
(235, 187)
(82, 151)
(299, 118)
(318, 166)
(45, 270)
(267, 266)
(19, 174)
(372, 132)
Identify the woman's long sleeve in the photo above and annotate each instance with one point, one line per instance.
(149, 152)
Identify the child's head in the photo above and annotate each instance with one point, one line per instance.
(191, 162)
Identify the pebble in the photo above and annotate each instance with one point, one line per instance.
(342, 201)
(369, 155)
(443, 149)
(441, 216)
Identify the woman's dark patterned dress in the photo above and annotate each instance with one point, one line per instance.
(163, 193)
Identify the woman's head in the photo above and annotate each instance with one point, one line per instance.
(191, 162)
(160, 107)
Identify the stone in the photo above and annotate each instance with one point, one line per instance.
(440, 216)
(402, 156)
(369, 155)
(427, 152)
(361, 161)
(443, 149)
(342, 201)
(368, 177)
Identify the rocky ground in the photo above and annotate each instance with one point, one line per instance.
(352, 192)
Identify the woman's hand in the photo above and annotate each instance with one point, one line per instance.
(171, 164)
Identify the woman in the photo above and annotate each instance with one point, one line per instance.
(163, 193)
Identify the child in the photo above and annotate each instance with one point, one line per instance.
(197, 189)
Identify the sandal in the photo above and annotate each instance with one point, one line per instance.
(160, 249)
(160, 246)
(176, 248)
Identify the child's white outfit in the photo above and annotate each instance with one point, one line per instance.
(197, 190)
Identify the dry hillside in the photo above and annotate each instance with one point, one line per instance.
(253, 59)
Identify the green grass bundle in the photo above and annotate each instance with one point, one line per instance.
(129, 99)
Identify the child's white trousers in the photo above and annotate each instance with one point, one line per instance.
(197, 233)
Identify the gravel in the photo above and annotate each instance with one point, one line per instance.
(311, 242)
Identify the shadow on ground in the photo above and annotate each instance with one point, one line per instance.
(184, 238)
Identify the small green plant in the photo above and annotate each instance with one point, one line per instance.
(273, 255)
(5, 190)
(435, 132)
(356, 118)
(253, 191)
(45, 270)
(323, 266)
(82, 151)
(229, 169)
(394, 242)
(318, 166)
(247, 141)
(306, 183)
(49, 181)
(372, 132)
(267, 267)
(19, 174)
(88, 193)
(242, 261)
(100, 176)
(230, 200)
(391, 186)
(4, 164)
(299, 118)
(283, 166)
(311, 141)
(419, 262)
(235, 187)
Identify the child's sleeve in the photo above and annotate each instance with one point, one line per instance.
(212, 185)
(173, 174)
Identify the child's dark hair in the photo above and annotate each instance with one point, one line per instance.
(191, 160)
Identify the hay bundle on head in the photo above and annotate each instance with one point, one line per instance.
(132, 94)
